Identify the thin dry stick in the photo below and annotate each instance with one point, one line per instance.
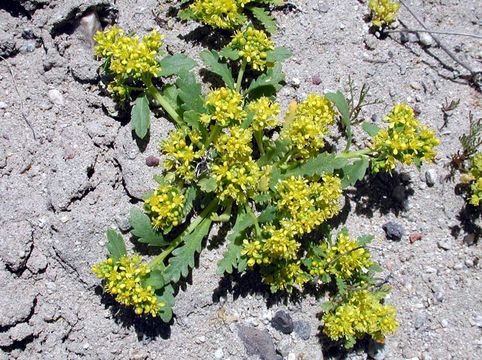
(455, 33)
(437, 40)
(19, 95)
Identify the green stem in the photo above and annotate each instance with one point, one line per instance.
(240, 75)
(177, 241)
(258, 135)
(213, 136)
(156, 95)
(249, 211)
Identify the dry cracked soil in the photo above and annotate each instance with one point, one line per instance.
(70, 169)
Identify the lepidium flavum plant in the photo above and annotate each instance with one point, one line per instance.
(234, 159)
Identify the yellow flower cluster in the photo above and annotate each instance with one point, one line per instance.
(361, 314)
(124, 280)
(265, 113)
(253, 46)
(308, 204)
(345, 259)
(128, 57)
(165, 207)
(282, 277)
(476, 176)
(237, 174)
(223, 14)
(384, 11)
(225, 107)
(403, 141)
(307, 128)
(181, 151)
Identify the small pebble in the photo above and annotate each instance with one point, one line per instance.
(476, 321)
(295, 82)
(316, 79)
(404, 38)
(3, 105)
(469, 239)
(393, 230)
(303, 329)
(416, 236)
(152, 161)
(283, 322)
(445, 244)
(218, 354)
(431, 177)
(425, 39)
(420, 319)
(56, 97)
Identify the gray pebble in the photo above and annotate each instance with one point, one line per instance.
(322, 9)
(27, 33)
(257, 342)
(303, 329)
(56, 97)
(376, 350)
(431, 177)
(3, 105)
(27, 47)
(283, 322)
(420, 319)
(476, 321)
(393, 230)
(371, 43)
(218, 354)
(469, 239)
(404, 38)
(425, 39)
(445, 244)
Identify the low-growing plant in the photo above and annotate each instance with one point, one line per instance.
(273, 180)
(384, 12)
(230, 14)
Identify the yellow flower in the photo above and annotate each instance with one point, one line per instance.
(282, 276)
(403, 141)
(165, 207)
(265, 113)
(225, 108)
(476, 176)
(223, 14)
(384, 11)
(307, 128)
(128, 57)
(253, 47)
(181, 153)
(362, 313)
(124, 280)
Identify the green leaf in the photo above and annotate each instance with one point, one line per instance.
(167, 298)
(354, 172)
(376, 268)
(183, 257)
(327, 306)
(171, 94)
(342, 105)
(350, 342)
(275, 153)
(175, 64)
(267, 84)
(365, 239)
(141, 116)
(232, 254)
(191, 118)
(341, 285)
(207, 185)
(211, 59)
(142, 229)
(264, 18)
(319, 165)
(370, 129)
(263, 198)
(186, 14)
(190, 196)
(115, 245)
(279, 54)
(268, 215)
(274, 179)
(229, 53)
(155, 279)
(190, 92)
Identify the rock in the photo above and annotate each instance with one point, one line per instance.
(88, 25)
(16, 240)
(404, 37)
(476, 321)
(56, 97)
(425, 39)
(257, 342)
(27, 47)
(323, 9)
(445, 244)
(27, 33)
(14, 312)
(291, 356)
(295, 82)
(37, 262)
(21, 332)
(415, 236)
(7, 44)
(218, 354)
(283, 322)
(303, 329)
(370, 42)
(469, 239)
(3, 105)
(431, 177)
(316, 79)
(152, 161)
(393, 230)
(284, 346)
(420, 319)
(376, 351)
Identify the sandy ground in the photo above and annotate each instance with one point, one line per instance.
(70, 169)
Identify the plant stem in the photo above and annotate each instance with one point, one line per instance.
(213, 136)
(177, 241)
(240, 75)
(258, 135)
(156, 95)
(354, 154)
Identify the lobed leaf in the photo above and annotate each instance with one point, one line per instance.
(115, 245)
(141, 116)
(190, 92)
(175, 64)
(267, 84)
(319, 165)
(142, 229)
(279, 54)
(264, 18)
(183, 257)
(370, 129)
(207, 184)
(166, 297)
(211, 59)
(354, 172)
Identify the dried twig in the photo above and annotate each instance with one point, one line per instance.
(455, 33)
(10, 69)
